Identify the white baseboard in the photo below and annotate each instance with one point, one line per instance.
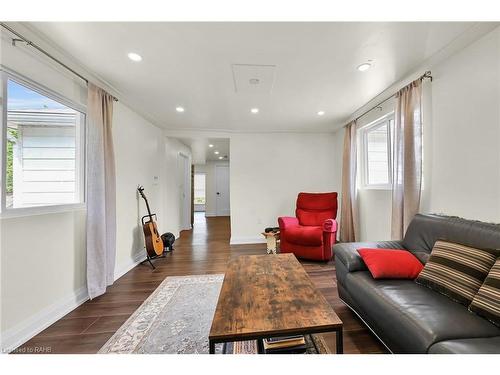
(246, 240)
(122, 269)
(210, 214)
(22, 332)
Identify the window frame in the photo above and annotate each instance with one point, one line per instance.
(387, 119)
(80, 149)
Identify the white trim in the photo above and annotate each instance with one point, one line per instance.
(385, 120)
(41, 210)
(122, 269)
(22, 332)
(210, 214)
(80, 149)
(246, 240)
(43, 90)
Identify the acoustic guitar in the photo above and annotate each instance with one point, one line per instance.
(154, 243)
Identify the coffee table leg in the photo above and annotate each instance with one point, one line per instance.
(260, 346)
(211, 347)
(340, 342)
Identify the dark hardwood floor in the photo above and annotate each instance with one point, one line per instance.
(203, 250)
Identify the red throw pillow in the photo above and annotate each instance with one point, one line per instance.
(391, 264)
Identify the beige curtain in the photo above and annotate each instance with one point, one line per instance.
(348, 208)
(406, 158)
(101, 192)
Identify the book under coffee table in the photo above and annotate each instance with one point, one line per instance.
(270, 296)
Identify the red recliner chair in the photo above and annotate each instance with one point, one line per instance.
(313, 232)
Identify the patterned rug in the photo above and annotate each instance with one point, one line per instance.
(176, 319)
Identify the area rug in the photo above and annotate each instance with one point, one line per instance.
(176, 319)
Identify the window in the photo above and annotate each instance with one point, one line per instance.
(199, 188)
(375, 153)
(44, 161)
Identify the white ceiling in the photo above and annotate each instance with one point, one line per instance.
(202, 152)
(190, 65)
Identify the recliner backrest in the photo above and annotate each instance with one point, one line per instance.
(425, 230)
(314, 208)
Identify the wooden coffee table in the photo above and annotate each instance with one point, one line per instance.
(270, 296)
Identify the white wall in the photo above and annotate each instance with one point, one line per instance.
(465, 128)
(43, 272)
(173, 191)
(138, 155)
(44, 278)
(461, 141)
(268, 171)
(209, 170)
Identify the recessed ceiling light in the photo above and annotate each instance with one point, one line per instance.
(179, 109)
(216, 152)
(321, 113)
(134, 56)
(254, 110)
(210, 145)
(365, 66)
(220, 157)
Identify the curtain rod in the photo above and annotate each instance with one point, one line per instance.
(28, 42)
(426, 75)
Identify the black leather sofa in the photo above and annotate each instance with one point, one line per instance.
(410, 318)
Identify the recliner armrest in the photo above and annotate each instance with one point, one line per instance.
(347, 252)
(287, 222)
(330, 226)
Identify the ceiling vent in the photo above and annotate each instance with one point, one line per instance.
(257, 79)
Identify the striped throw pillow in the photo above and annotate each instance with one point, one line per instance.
(457, 271)
(487, 301)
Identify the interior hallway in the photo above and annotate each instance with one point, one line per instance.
(203, 250)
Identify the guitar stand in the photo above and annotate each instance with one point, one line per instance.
(149, 259)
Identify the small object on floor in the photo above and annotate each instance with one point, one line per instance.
(272, 229)
(272, 240)
(168, 241)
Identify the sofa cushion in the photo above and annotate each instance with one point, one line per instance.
(391, 263)
(308, 236)
(425, 230)
(456, 270)
(408, 317)
(486, 345)
(487, 300)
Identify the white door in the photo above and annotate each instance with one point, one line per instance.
(184, 192)
(222, 190)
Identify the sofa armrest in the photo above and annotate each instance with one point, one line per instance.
(330, 226)
(287, 222)
(347, 252)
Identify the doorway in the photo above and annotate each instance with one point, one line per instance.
(184, 192)
(200, 195)
(222, 198)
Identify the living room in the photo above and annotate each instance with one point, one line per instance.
(201, 184)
